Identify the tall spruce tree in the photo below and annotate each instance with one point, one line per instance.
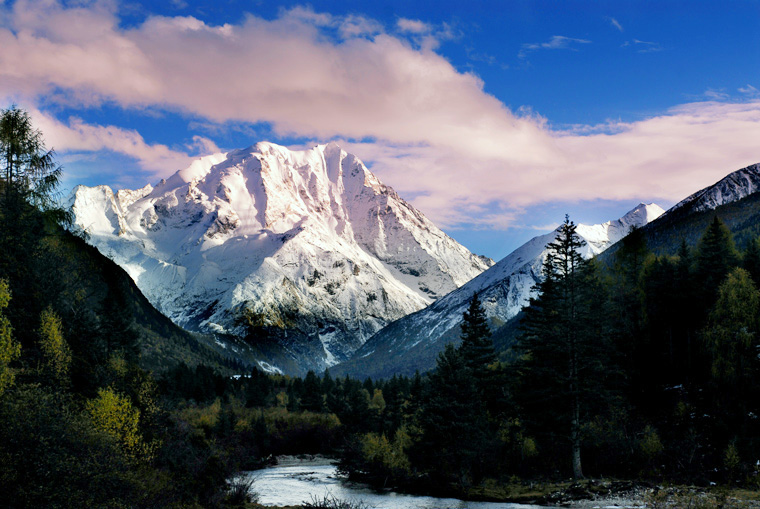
(454, 433)
(477, 347)
(716, 255)
(732, 343)
(10, 350)
(562, 368)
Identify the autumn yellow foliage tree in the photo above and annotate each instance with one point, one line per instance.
(386, 456)
(10, 350)
(55, 351)
(113, 413)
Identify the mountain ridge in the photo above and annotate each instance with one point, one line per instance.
(733, 187)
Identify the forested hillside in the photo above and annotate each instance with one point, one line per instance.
(82, 421)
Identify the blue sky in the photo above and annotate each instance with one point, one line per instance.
(494, 118)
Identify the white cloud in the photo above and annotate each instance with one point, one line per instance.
(413, 26)
(716, 95)
(556, 42)
(749, 90)
(647, 46)
(78, 136)
(615, 23)
(663, 158)
(282, 71)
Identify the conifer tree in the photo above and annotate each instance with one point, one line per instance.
(628, 296)
(453, 432)
(477, 347)
(732, 343)
(732, 333)
(751, 259)
(29, 171)
(564, 351)
(716, 255)
(312, 399)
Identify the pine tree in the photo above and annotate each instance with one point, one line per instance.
(628, 295)
(56, 355)
(732, 343)
(29, 171)
(477, 348)
(732, 333)
(627, 301)
(312, 399)
(453, 432)
(563, 346)
(716, 255)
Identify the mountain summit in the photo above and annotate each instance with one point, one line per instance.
(414, 341)
(305, 253)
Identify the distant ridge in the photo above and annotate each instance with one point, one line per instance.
(413, 342)
(734, 199)
(731, 188)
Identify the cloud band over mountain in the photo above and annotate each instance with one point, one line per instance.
(429, 129)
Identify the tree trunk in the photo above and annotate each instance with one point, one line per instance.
(575, 438)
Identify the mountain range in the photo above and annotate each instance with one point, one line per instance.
(303, 259)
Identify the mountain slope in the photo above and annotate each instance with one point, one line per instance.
(734, 199)
(304, 253)
(414, 341)
(731, 188)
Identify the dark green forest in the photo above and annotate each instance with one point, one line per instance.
(644, 367)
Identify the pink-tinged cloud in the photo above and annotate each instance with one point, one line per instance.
(285, 71)
(664, 159)
(413, 26)
(457, 152)
(78, 136)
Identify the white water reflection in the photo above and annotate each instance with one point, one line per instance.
(293, 482)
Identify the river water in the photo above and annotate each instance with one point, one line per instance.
(293, 482)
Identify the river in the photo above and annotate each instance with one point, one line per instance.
(294, 481)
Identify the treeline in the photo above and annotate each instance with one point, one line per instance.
(268, 415)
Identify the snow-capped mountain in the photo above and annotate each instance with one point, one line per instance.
(731, 188)
(305, 252)
(414, 341)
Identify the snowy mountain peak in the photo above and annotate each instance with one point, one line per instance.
(306, 247)
(599, 237)
(642, 214)
(731, 188)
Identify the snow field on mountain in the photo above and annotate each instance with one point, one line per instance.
(309, 239)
